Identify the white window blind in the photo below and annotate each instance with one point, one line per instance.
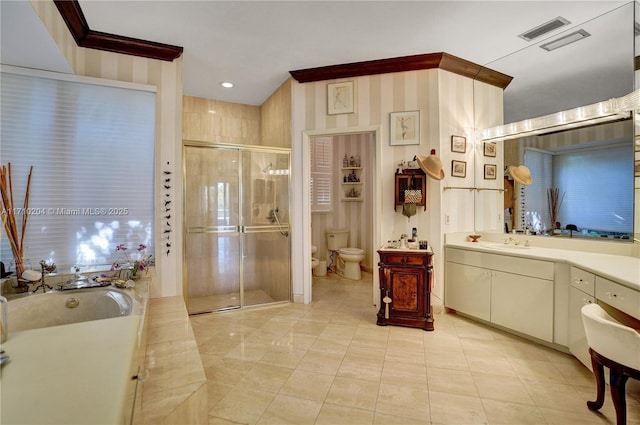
(321, 174)
(599, 188)
(536, 205)
(92, 151)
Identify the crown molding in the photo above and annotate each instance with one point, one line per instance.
(439, 60)
(86, 37)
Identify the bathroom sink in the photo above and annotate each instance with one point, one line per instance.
(503, 246)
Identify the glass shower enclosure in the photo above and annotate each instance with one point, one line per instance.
(237, 246)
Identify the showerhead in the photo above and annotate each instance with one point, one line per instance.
(267, 168)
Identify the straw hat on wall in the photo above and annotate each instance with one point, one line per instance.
(431, 165)
(521, 174)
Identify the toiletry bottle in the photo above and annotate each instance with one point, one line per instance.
(358, 160)
(345, 161)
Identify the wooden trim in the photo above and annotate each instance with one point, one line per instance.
(636, 62)
(85, 37)
(402, 64)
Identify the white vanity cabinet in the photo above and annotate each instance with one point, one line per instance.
(581, 292)
(513, 292)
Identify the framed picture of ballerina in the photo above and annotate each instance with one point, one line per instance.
(404, 128)
(340, 98)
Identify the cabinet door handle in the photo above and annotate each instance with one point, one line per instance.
(404, 260)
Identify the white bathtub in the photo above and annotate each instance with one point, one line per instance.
(62, 308)
(79, 373)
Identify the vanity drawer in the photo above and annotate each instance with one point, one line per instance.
(403, 259)
(583, 280)
(618, 296)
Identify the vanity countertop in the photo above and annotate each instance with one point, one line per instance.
(622, 269)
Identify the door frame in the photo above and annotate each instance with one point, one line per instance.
(306, 201)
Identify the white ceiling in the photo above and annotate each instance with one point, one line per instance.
(255, 43)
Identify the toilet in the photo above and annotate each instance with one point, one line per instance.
(348, 258)
(314, 260)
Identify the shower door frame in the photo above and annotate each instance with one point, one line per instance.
(241, 227)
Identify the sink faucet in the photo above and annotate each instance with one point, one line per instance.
(510, 240)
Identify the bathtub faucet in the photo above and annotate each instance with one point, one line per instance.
(49, 268)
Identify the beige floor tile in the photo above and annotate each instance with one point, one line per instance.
(505, 413)
(265, 377)
(308, 385)
(315, 356)
(451, 381)
(283, 357)
(398, 354)
(331, 414)
(499, 387)
(285, 410)
(331, 345)
(319, 362)
(353, 393)
(358, 367)
(242, 406)
(455, 409)
(300, 341)
(490, 364)
(555, 396)
(248, 351)
(384, 419)
(403, 401)
(403, 373)
(536, 370)
(562, 417)
(447, 360)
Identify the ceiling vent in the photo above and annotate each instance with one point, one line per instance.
(544, 28)
(564, 40)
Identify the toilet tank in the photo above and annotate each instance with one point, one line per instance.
(337, 238)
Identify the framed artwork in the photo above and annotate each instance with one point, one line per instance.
(458, 168)
(490, 171)
(490, 149)
(340, 98)
(404, 128)
(458, 144)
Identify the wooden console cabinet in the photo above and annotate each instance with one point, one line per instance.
(405, 279)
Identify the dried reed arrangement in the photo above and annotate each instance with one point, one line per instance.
(9, 221)
(555, 202)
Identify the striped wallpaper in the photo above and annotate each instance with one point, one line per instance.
(448, 106)
(167, 77)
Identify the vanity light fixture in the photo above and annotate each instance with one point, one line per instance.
(609, 110)
(226, 84)
(564, 40)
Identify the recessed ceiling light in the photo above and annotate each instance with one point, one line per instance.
(226, 84)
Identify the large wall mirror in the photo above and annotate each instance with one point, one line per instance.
(588, 173)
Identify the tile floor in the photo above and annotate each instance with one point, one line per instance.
(328, 363)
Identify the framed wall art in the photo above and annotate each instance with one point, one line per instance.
(458, 169)
(490, 171)
(404, 128)
(458, 144)
(340, 98)
(490, 149)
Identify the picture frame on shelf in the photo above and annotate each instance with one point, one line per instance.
(458, 168)
(458, 144)
(404, 128)
(340, 98)
(490, 171)
(490, 149)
